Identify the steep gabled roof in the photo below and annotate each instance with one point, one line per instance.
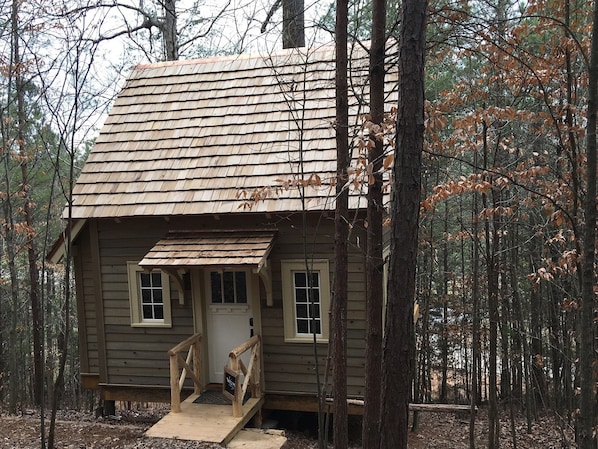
(194, 137)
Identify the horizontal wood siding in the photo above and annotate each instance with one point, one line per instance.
(135, 355)
(138, 356)
(290, 367)
(88, 329)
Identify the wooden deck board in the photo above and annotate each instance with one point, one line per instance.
(251, 439)
(204, 422)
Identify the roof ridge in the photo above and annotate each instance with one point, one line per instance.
(240, 56)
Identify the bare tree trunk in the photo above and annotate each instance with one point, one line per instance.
(293, 24)
(169, 32)
(556, 348)
(341, 232)
(32, 256)
(475, 299)
(13, 356)
(397, 353)
(34, 296)
(63, 334)
(444, 335)
(538, 377)
(519, 332)
(375, 260)
(3, 352)
(588, 398)
(10, 141)
(425, 359)
(492, 246)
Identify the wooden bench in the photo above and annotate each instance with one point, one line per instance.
(418, 407)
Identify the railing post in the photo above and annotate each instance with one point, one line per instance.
(197, 364)
(257, 371)
(175, 392)
(237, 400)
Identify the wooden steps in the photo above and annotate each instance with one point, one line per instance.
(204, 422)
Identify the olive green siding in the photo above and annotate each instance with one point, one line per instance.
(138, 356)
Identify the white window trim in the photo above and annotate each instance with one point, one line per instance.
(287, 267)
(137, 320)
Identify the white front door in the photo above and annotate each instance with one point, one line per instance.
(229, 316)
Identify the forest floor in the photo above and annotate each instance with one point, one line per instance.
(79, 430)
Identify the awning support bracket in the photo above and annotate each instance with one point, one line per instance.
(177, 277)
(265, 274)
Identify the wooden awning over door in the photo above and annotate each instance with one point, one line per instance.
(182, 249)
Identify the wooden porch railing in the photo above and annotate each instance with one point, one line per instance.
(251, 374)
(190, 365)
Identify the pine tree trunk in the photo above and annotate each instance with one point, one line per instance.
(375, 260)
(397, 354)
(341, 233)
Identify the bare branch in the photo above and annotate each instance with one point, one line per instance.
(275, 7)
(210, 28)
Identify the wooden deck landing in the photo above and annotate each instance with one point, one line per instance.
(204, 422)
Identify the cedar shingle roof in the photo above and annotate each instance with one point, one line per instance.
(218, 248)
(188, 137)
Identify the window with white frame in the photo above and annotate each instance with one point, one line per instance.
(149, 296)
(306, 299)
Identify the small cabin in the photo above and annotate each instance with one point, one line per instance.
(205, 208)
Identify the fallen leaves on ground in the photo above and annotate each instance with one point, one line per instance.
(80, 430)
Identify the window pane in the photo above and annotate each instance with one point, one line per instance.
(157, 295)
(145, 279)
(301, 295)
(302, 326)
(156, 280)
(315, 295)
(147, 312)
(300, 279)
(241, 287)
(216, 287)
(315, 279)
(158, 312)
(229, 287)
(302, 311)
(146, 296)
(315, 310)
(314, 325)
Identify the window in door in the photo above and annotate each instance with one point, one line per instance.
(228, 287)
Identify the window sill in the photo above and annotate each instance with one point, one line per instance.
(319, 340)
(158, 325)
